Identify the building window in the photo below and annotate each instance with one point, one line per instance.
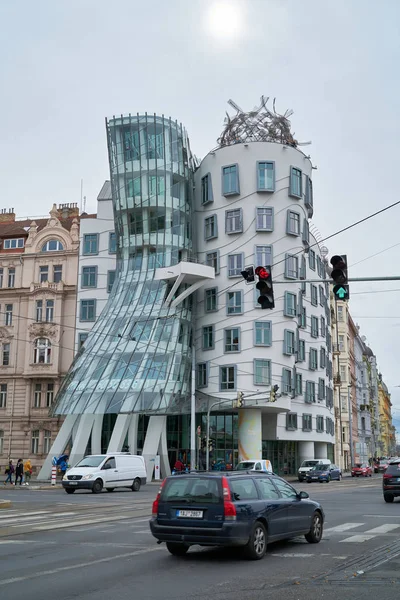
(320, 424)
(1, 277)
(343, 373)
(303, 318)
(232, 340)
(340, 313)
(314, 295)
(230, 180)
(321, 389)
(42, 351)
(290, 306)
(211, 300)
(46, 441)
(206, 189)
(263, 333)
(234, 303)
(299, 384)
(52, 246)
(311, 259)
(321, 296)
(227, 378)
(3, 395)
(291, 421)
(308, 200)
(202, 375)
(157, 219)
(8, 317)
(43, 274)
(112, 243)
(302, 351)
(208, 337)
(307, 422)
(263, 256)
(89, 277)
(49, 311)
(82, 338)
(49, 394)
(37, 395)
(313, 359)
(155, 145)
(262, 371)
(134, 187)
(13, 243)
(314, 327)
(88, 310)
(322, 358)
(5, 359)
(341, 343)
(35, 442)
(310, 392)
(57, 273)
(90, 243)
(292, 223)
(1, 441)
(156, 368)
(156, 258)
(39, 311)
(265, 177)
(157, 186)
(235, 265)
(344, 403)
(11, 277)
(286, 381)
(306, 233)
(210, 227)
(135, 222)
(289, 342)
(110, 280)
(212, 260)
(295, 182)
(264, 218)
(233, 221)
(323, 327)
(291, 266)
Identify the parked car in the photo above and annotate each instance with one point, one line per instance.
(383, 465)
(391, 481)
(361, 470)
(232, 509)
(325, 472)
(307, 465)
(255, 464)
(110, 471)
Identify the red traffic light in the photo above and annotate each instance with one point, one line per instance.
(262, 273)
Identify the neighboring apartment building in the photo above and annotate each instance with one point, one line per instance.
(363, 448)
(387, 438)
(38, 285)
(97, 256)
(373, 399)
(353, 417)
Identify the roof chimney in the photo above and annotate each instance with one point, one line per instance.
(7, 215)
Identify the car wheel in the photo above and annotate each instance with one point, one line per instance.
(69, 490)
(370, 474)
(340, 477)
(328, 479)
(177, 549)
(97, 487)
(308, 481)
(315, 534)
(136, 485)
(256, 547)
(110, 489)
(388, 497)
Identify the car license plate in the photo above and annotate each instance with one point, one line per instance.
(190, 514)
(314, 477)
(73, 483)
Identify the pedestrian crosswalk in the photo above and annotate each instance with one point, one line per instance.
(386, 529)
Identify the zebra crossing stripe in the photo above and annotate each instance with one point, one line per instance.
(384, 528)
(343, 527)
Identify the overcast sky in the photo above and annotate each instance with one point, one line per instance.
(66, 65)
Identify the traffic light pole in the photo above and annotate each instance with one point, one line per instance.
(350, 279)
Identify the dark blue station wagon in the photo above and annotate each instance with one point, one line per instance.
(232, 509)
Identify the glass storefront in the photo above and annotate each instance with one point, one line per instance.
(284, 456)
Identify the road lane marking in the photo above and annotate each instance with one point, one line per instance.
(343, 527)
(91, 563)
(76, 523)
(362, 537)
(383, 516)
(383, 528)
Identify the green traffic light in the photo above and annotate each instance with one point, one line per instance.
(341, 292)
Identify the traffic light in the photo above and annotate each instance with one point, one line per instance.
(248, 274)
(240, 400)
(266, 298)
(340, 277)
(272, 395)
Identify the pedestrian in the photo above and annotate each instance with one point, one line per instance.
(19, 471)
(179, 466)
(9, 472)
(28, 471)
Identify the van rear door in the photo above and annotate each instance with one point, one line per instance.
(190, 501)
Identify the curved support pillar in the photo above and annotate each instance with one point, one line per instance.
(151, 444)
(96, 434)
(250, 443)
(306, 451)
(82, 438)
(119, 433)
(132, 433)
(321, 450)
(59, 445)
(163, 452)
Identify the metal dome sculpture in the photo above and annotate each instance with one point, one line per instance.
(259, 125)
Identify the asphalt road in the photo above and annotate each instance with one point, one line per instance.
(87, 547)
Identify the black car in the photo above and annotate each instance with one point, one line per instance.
(391, 481)
(232, 509)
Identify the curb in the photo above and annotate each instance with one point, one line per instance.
(5, 504)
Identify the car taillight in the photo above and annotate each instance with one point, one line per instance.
(386, 476)
(229, 507)
(154, 511)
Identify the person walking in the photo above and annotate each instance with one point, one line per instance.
(9, 472)
(19, 471)
(28, 471)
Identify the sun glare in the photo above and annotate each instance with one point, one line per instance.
(224, 20)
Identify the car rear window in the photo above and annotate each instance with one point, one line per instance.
(393, 469)
(204, 490)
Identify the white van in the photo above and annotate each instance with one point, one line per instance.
(255, 464)
(109, 471)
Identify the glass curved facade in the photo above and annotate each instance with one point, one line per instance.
(137, 358)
